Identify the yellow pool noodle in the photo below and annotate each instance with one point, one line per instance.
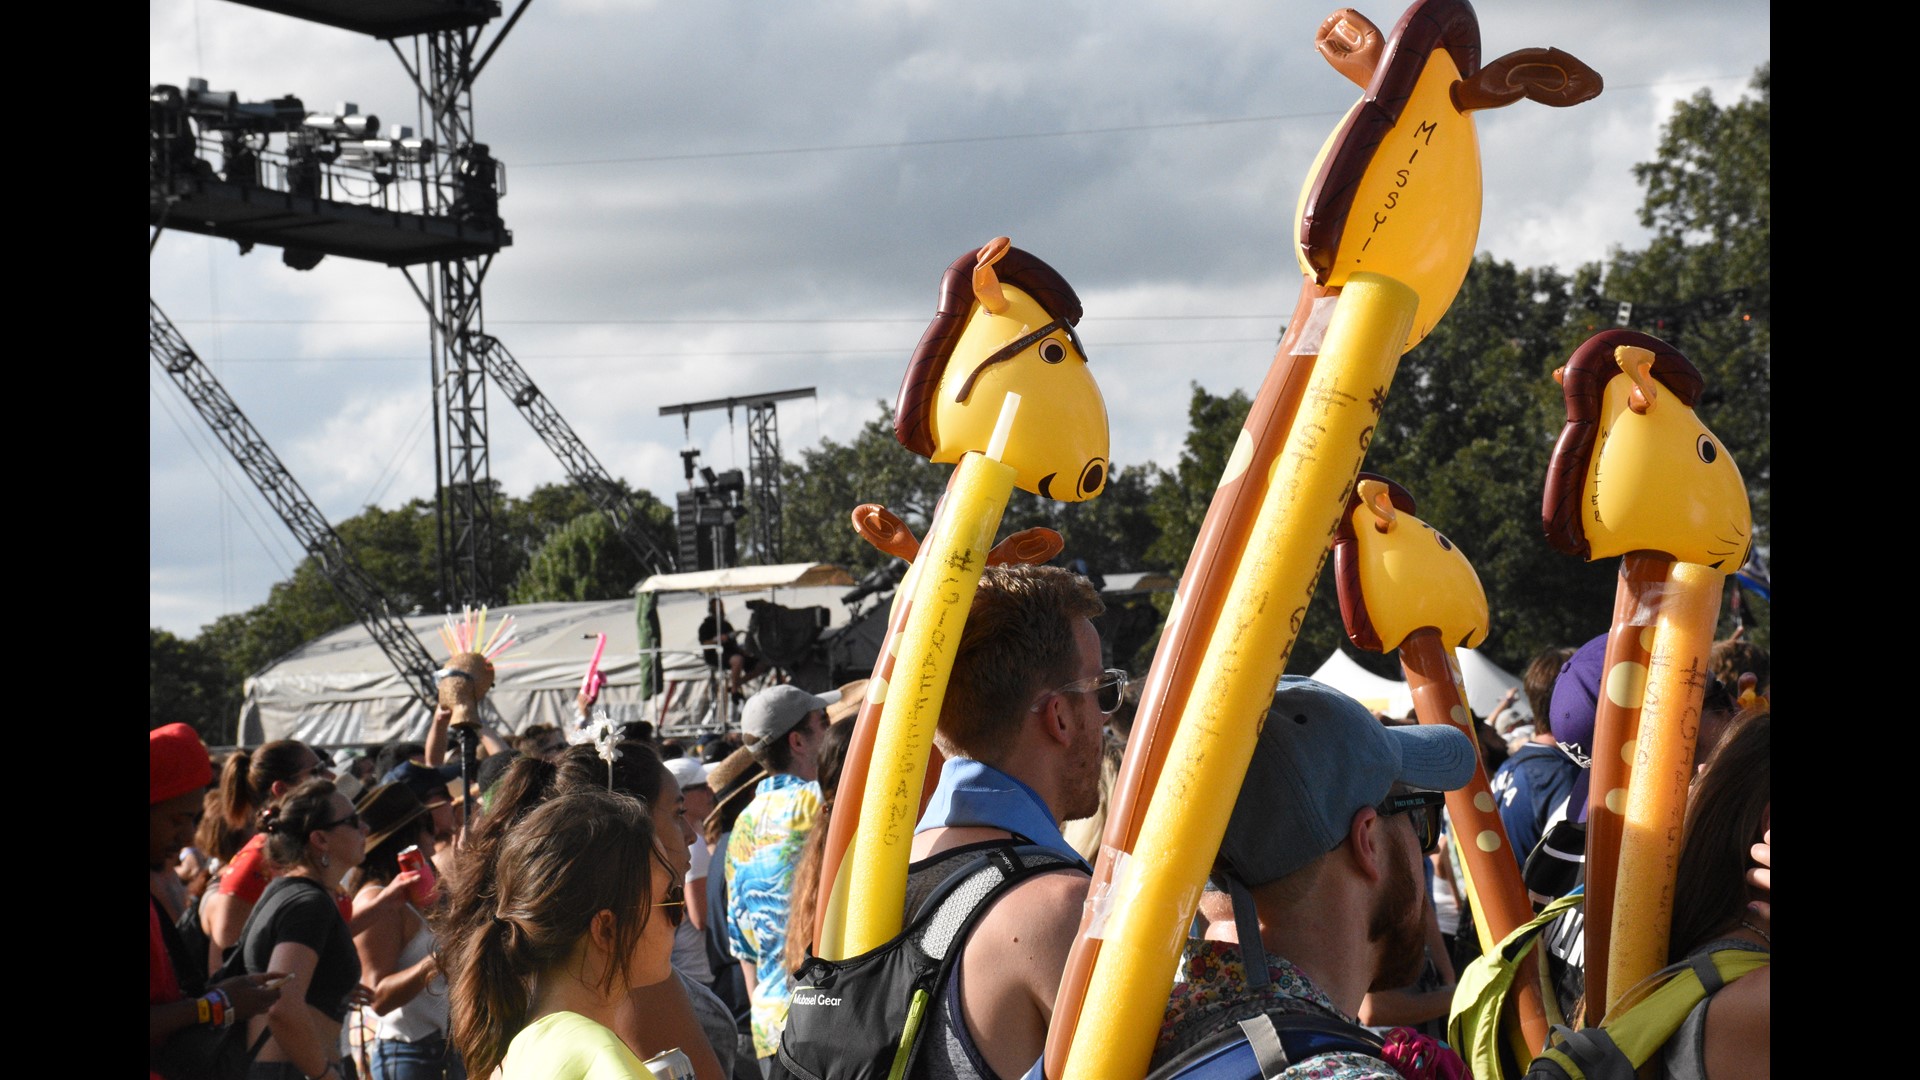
(1662, 769)
(1153, 898)
(949, 566)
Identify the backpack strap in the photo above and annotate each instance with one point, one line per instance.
(1268, 1050)
(948, 914)
(1267, 1045)
(1645, 1017)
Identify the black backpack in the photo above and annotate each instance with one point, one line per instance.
(1266, 1044)
(862, 1018)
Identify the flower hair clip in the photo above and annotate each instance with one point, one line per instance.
(606, 740)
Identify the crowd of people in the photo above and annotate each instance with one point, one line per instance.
(636, 907)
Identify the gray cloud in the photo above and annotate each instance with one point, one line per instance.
(1157, 221)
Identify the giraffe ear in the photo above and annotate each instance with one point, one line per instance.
(986, 284)
(1352, 44)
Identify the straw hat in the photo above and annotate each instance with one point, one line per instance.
(386, 810)
(852, 696)
(733, 781)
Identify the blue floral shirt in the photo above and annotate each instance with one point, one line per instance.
(761, 855)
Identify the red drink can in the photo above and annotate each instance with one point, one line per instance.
(422, 890)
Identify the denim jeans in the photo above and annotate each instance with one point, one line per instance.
(428, 1059)
(286, 1070)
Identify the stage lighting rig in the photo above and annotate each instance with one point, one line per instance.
(222, 110)
(344, 122)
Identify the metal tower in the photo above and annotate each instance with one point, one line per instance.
(763, 462)
(171, 351)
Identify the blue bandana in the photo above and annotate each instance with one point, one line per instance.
(973, 795)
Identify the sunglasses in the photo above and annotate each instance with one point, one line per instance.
(352, 819)
(1110, 688)
(675, 905)
(676, 901)
(1423, 809)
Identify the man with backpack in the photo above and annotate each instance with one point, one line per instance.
(1321, 901)
(994, 893)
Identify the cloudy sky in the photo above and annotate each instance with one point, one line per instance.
(721, 198)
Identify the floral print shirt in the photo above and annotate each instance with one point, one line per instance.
(1213, 996)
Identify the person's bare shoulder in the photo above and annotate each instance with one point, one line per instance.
(1031, 930)
(1739, 1028)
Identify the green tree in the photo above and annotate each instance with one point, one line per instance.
(1705, 281)
(186, 684)
(819, 492)
(1468, 429)
(584, 559)
(1179, 503)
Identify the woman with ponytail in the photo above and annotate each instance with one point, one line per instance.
(314, 836)
(250, 783)
(573, 926)
(661, 1014)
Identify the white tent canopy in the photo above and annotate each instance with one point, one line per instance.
(1486, 683)
(340, 689)
(748, 579)
(1389, 696)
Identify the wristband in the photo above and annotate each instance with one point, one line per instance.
(222, 1006)
(204, 1008)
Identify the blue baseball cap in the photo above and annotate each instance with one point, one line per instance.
(1320, 759)
(424, 781)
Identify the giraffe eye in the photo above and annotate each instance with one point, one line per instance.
(1052, 351)
(1707, 450)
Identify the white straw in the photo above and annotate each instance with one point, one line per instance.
(1003, 427)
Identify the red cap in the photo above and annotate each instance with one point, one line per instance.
(176, 763)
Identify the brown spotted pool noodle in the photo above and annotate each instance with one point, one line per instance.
(1499, 896)
(1616, 728)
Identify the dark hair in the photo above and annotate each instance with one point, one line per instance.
(570, 859)
(1542, 670)
(1726, 816)
(715, 750)
(529, 740)
(1732, 659)
(529, 783)
(637, 771)
(247, 778)
(392, 754)
(288, 825)
(492, 768)
(806, 873)
(777, 754)
(1019, 642)
(214, 836)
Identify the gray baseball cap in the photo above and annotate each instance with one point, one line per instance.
(773, 712)
(1320, 758)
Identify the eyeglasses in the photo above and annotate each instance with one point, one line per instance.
(1110, 686)
(1423, 809)
(352, 819)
